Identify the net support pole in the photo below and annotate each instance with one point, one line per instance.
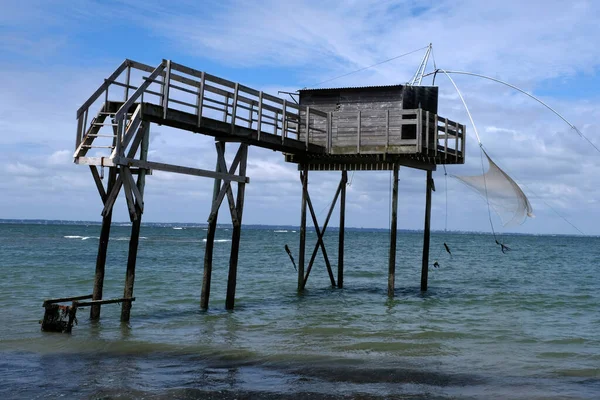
(426, 232)
(393, 233)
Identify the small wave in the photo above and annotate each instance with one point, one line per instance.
(80, 237)
(122, 238)
(177, 228)
(219, 240)
(281, 231)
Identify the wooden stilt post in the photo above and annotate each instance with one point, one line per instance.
(236, 234)
(340, 281)
(302, 228)
(393, 231)
(135, 230)
(210, 241)
(102, 250)
(426, 232)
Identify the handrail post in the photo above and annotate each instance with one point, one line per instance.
(234, 107)
(329, 131)
(120, 124)
(307, 125)
(79, 129)
(419, 130)
(284, 121)
(166, 84)
(387, 130)
(358, 132)
(462, 141)
(446, 140)
(200, 100)
(127, 81)
(85, 120)
(259, 122)
(435, 135)
(427, 131)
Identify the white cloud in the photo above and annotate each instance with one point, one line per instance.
(531, 44)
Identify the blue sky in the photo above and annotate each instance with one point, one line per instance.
(53, 55)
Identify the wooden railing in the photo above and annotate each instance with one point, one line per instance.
(392, 131)
(175, 86)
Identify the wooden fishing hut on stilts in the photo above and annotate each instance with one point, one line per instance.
(342, 129)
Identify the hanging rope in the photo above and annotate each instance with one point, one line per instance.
(503, 247)
(522, 91)
(542, 103)
(436, 264)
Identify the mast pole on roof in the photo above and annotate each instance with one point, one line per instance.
(418, 77)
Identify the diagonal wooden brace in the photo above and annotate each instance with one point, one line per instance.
(319, 239)
(98, 182)
(112, 196)
(226, 188)
(128, 177)
(127, 188)
(320, 236)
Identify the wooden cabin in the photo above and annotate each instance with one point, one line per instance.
(395, 121)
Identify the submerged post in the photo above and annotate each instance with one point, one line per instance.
(340, 282)
(303, 227)
(236, 234)
(393, 232)
(426, 232)
(102, 250)
(135, 230)
(210, 241)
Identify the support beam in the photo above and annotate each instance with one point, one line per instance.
(102, 250)
(340, 281)
(393, 232)
(426, 232)
(178, 169)
(210, 239)
(320, 237)
(302, 228)
(135, 231)
(236, 233)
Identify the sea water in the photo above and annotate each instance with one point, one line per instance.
(522, 325)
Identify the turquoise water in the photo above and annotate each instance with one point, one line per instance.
(519, 325)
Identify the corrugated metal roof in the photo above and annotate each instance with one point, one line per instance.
(353, 88)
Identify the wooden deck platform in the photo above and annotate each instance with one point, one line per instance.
(181, 97)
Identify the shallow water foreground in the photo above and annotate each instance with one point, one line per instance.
(522, 325)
